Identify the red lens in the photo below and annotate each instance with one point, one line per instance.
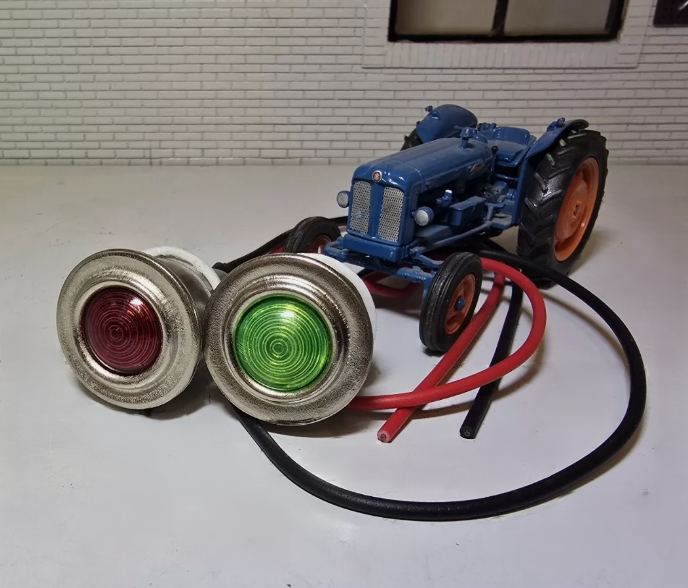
(121, 331)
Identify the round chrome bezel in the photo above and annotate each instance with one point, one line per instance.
(174, 307)
(332, 296)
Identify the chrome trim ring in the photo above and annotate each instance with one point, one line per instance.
(178, 301)
(337, 301)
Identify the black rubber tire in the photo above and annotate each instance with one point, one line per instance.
(304, 234)
(436, 304)
(413, 140)
(546, 194)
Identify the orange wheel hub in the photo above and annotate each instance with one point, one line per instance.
(318, 244)
(460, 304)
(576, 211)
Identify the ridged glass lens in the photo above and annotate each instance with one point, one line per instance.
(282, 343)
(121, 331)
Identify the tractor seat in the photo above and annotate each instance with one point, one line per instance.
(512, 143)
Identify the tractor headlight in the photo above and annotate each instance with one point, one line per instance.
(424, 216)
(343, 199)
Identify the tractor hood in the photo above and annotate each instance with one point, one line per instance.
(429, 165)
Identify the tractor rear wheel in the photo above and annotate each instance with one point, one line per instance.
(562, 203)
(451, 300)
(311, 235)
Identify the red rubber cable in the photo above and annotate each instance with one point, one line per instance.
(499, 370)
(401, 416)
(387, 291)
(376, 276)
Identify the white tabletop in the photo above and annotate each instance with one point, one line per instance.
(95, 496)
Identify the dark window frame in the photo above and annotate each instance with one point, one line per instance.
(613, 28)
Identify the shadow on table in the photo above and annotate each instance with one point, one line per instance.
(597, 243)
(200, 392)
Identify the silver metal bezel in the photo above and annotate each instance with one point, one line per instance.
(174, 306)
(342, 309)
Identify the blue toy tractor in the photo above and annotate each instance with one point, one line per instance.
(455, 179)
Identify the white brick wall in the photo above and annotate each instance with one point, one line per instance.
(304, 81)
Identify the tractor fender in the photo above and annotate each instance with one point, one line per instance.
(554, 131)
(445, 121)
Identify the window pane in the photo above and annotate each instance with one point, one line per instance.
(445, 17)
(554, 17)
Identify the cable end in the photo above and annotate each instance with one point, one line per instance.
(467, 432)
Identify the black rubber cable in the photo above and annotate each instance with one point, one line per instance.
(266, 248)
(498, 504)
(262, 250)
(483, 399)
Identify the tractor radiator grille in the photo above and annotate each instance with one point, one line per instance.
(390, 216)
(360, 207)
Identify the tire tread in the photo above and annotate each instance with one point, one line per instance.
(545, 197)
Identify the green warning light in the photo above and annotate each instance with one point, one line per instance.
(282, 343)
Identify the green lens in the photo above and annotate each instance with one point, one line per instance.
(282, 343)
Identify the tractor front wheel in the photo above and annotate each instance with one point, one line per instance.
(311, 235)
(561, 205)
(451, 300)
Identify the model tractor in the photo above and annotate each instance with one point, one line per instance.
(456, 180)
